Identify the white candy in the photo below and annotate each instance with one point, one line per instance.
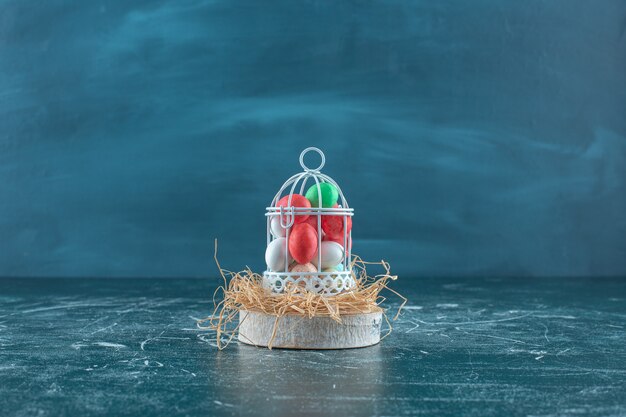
(275, 255)
(332, 254)
(276, 229)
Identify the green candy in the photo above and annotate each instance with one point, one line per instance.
(328, 192)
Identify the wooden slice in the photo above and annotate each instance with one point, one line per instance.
(298, 332)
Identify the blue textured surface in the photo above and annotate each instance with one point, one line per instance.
(472, 347)
(131, 136)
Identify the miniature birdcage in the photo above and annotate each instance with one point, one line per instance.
(290, 243)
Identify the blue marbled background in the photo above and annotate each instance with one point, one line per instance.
(473, 138)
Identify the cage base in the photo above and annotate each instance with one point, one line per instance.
(300, 332)
(326, 283)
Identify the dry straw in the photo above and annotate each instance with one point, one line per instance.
(244, 290)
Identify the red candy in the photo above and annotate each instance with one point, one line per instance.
(297, 200)
(312, 220)
(302, 242)
(333, 226)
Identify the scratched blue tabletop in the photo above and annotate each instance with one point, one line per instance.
(476, 347)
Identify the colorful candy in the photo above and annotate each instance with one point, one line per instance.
(297, 200)
(308, 267)
(275, 255)
(276, 229)
(339, 239)
(333, 225)
(312, 220)
(327, 191)
(302, 242)
(332, 254)
(302, 236)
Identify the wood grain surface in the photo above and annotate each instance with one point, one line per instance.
(297, 332)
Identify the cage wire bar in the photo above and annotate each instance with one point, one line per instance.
(326, 283)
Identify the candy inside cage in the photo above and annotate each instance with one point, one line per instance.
(323, 282)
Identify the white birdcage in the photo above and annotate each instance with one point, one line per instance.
(326, 279)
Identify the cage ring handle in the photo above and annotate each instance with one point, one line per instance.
(314, 149)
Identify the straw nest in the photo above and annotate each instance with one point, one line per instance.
(244, 290)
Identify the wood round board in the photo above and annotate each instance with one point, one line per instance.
(300, 332)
